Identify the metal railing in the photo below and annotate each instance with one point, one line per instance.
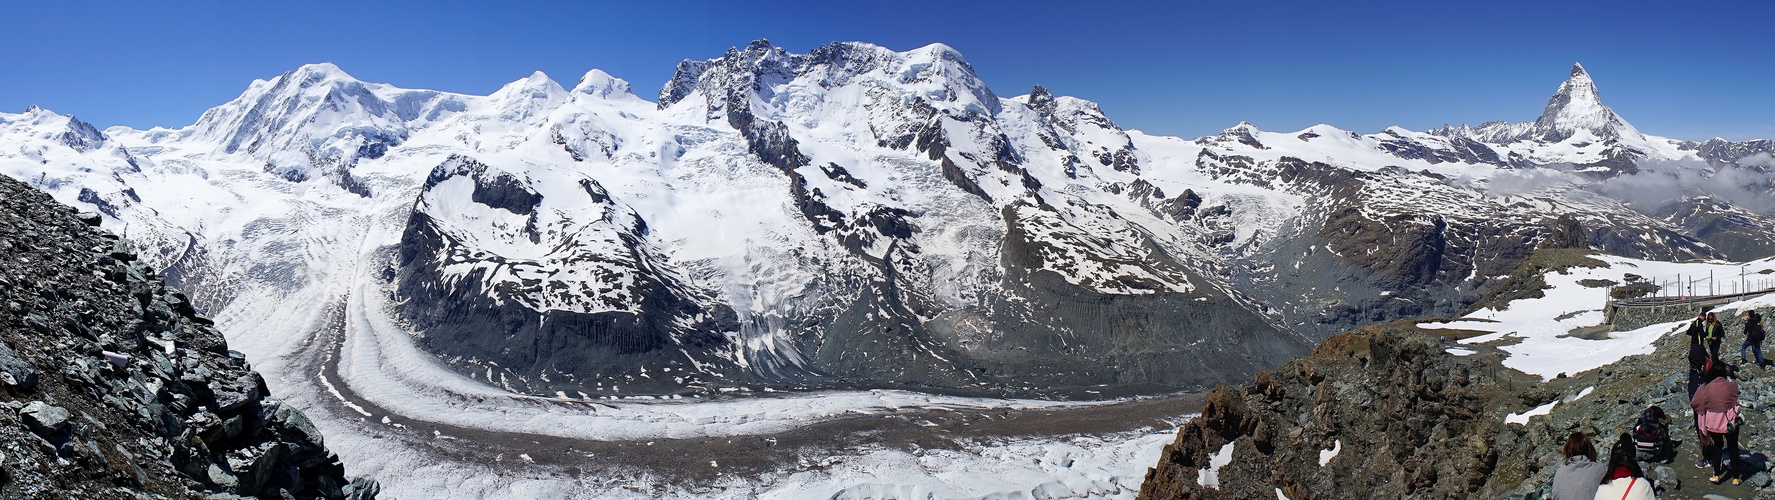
(1687, 288)
(1686, 291)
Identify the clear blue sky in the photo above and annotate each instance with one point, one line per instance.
(1685, 71)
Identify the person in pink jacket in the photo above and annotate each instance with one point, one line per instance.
(1716, 413)
(1625, 480)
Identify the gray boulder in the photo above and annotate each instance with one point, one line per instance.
(362, 488)
(46, 420)
(255, 465)
(15, 370)
(1664, 479)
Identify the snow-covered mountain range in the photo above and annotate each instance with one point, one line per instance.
(860, 217)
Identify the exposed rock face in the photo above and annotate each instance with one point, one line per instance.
(1737, 233)
(620, 314)
(1406, 419)
(111, 385)
(1393, 243)
(1719, 151)
(1567, 233)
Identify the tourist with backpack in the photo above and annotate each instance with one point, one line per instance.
(1753, 336)
(1651, 433)
(1624, 480)
(1717, 415)
(1581, 474)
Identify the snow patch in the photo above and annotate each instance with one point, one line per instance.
(1210, 477)
(1522, 418)
(1325, 456)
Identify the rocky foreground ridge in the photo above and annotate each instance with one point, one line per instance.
(1387, 412)
(111, 385)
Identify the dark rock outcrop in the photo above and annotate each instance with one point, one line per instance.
(1719, 151)
(1737, 233)
(115, 388)
(1442, 435)
(642, 320)
(1567, 233)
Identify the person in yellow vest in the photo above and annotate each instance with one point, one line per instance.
(1712, 332)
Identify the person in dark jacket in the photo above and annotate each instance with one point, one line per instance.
(1697, 361)
(1717, 418)
(1753, 336)
(1697, 350)
(1711, 333)
(1695, 327)
(1581, 474)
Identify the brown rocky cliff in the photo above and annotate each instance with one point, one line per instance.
(1407, 418)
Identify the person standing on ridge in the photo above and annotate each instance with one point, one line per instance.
(1696, 327)
(1698, 354)
(1712, 332)
(1581, 474)
(1753, 337)
(1717, 416)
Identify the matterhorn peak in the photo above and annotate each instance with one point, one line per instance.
(1578, 107)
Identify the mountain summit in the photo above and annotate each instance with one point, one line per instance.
(1577, 107)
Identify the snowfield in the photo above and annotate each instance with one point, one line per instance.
(1537, 333)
